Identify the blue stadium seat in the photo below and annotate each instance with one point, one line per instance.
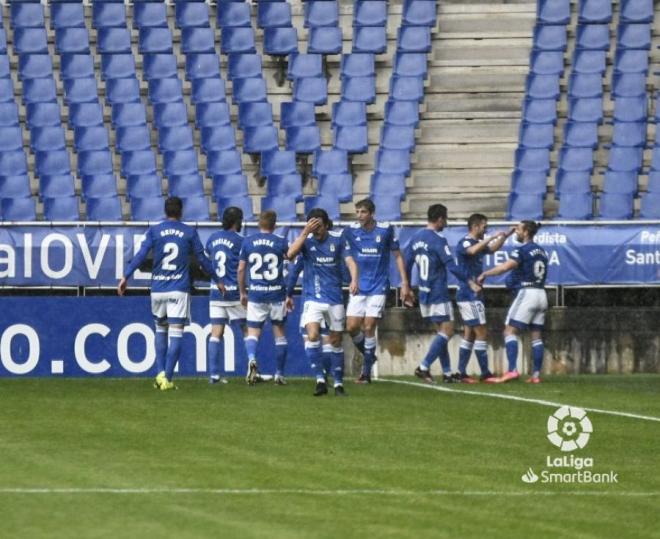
(576, 159)
(42, 139)
(387, 184)
(650, 206)
(372, 13)
(226, 185)
(546, 62)
(107, 208)
(175, 138)
(339, 186)
(528, 183)
(254, 114)
(149, 14)
(77, 66)
(117, 66)
(212, 114)
(138, 163)
(98, 186)
(237, 40)
(285, 185)
(244, 66)
(165, 90)
(577, 206)
(625, 159)
(244, 202)
(39, 91)
(581, 134)
(407, 88)
(5, 70)
(532, 160)
(131, 138)
(634, 36)
(61, 209)
(252, 89)
(14, 186)
(585, 85)
(13, 163)
(393, 162)
(113, 41)
(327, 202)
(349, 113)
(129, 114)
(359, 89)
(191, 14)
(26, 15)
(629, 85)
(284, 206)
(80, 114)
(208, 90)
(373, 39)
(144, 186)
(217, 138)
(280, 41)
(6, 90)
(630, 109)
(410, 64)
(108, 15)
(311, 90)
(155, 41)
(419, 13)
(30, 41)
(616, 206)
(278, 162)
(170, 114)
(585, 109)
(273, 14)
(325, 40)
(223, 162)
(593, 37)
(653, 185)
(414, 39)
(148, 208)
(630, 134)
(636, 11)
(56, 186)
(540, 111)
(196, 208)
(631, 61)
(352, 139)
(523, 206)
(34, 66)
(9, 114)
(12, 138)
(402, 112)
(330, 162)
(95, 162)
(81, 90)
(297, 114)
(234, 15)
(358, 64)
(321, 13)
(178, 163)
(71, 41)
(587, 61)
(52, 163)
(397, 137)
(388, 207)
(536, 135)
(549, 37)
(620, 182)
(67, 15)
(655, 159)
(186, 185)
(572, 183)
(595, 11)
(305, 65)
(197, 40)
(202, 66)
(18, 209)
(122, 91)
(159, 66)
(303, 139)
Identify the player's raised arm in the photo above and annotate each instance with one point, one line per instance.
(136, 262)
(498, 270)
(499, 239)
(297, 245)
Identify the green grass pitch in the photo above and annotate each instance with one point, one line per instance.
(116, 458)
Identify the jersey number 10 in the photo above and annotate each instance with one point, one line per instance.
(422, 262)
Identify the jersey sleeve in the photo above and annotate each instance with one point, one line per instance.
(202, 258)
(516, 255)
(294, 272)
(462, 247)
(448, 259)
(345, 249)
(394, 239)
(244, 251)
(141, 255)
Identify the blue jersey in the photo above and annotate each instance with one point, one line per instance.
(173, 243)
(471, 266)
(264, 253)
(371, 251)
(322, 276)
(224, 249)
(532, 265)
(429, 250)
(294, 272)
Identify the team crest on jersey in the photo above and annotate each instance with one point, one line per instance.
(378, 239)
(332, 248)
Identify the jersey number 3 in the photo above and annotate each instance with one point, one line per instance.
(258, 261)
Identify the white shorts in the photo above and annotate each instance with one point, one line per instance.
(173, 307)
(258, 313)
(223, 312)
(361, 306)
(437, 312)
(528, 309)
(473, 313)
(332, 316)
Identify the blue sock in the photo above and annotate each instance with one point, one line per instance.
(537, 356)
(327, 357)
(438, 348)
(481, 351)
(280, 355)
(251, 347)
(369, 355)
(358, 341)
(338, 365)
(315, 357)
(161, 348)
(173, 351)
(464, 353)
(214, 356)
(511, 345)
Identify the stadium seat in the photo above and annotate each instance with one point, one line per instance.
(234, 15)
(629, 85)
(327, 202)
(524, 206)
(653, 185)
(144, 186)
(410, 64)
(532, 160)
(129, 114)
(328, 162)
(117, 66)
(210, 90)
(595, 11)
(243, 202)
(223, 163)
(67, 15)
(217, 138)
(81, 90)
(5, 69)
(576, 206)
(325, 40)
(587, 61)
(253, 114)
(237, 40)
(244, 66)
(202, 66)
(61, 209)
(321, 13)
(155, 41)
(419, 13)
(284, 206)
(407, 88)
(572, 183)
(39, 91)
(26, 15)
(585, 109)
(186, 185)
(138, 163)
(77, 66)
(634, 36)
(212, 114)
(655, 159)
(546, 62)
(576, 159)
(630, 109)
(147, 208)
(273, 15)
(631, 61)
(311, 90)
(227, 185)
(297, 114)
(159, 66)
(585, 85)
(554, 11)
(303, 65)
(197, 41)
(170, 114)
(362, 88)
(181, 162)
(374, 13)
(56, 186)
(402, 112)
(387, 184)
(98, 186)
(12, 138)
(650, 206)
(630, 134)
(175, 138)
(581, 134)
(280, 41)
(34, 66)
(373, 39)
(149, 14)
(165, 90)
(616, 206)
(397, 137)
(535, 135)
(339, 186)
(593, 37)
(122, 91)
(349, 113)
(106, 208)
(131, 138)
(352, 139)
(95, 162)
(414, 39)
(388, 207)
(108, 15)
(6, 90)
(278, 162)
(52, 163)
(13, 163)
(18, 209)
(636, 11)
(80, 114)
(252, 89)
(191, 14)
(393, 162)
(620, 182)
(285, 185)
(303, 140)
(625, 159)
(549, 37)
(42, 139)
(528, 183)
(17, 186)
(113, 41)
(195, 208)
(9, 115)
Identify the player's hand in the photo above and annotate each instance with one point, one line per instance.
(312, 225)
(406, 292)
(289, 304)
(353, 288)
(121, 287)
(510, 232)
(476, 288)
(243, 299)
(409, 301)
(481, 279)
(221, 287)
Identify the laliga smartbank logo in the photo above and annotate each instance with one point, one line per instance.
(569, 429)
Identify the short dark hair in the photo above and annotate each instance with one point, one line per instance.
(267, 219)
(174, 207)
(367, 204)
(435, 212)
(319, 213)
(231, 216)
(532, 227)
(476, 219)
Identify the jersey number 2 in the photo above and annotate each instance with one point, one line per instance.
(257, 262)
(171, 251)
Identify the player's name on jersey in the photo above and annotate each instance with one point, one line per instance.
(264, 242)
(171, 232)
(222, 241)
